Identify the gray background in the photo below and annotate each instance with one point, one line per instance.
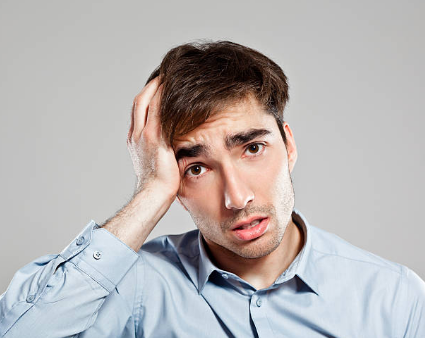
(69, 71)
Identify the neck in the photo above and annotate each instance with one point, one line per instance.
(262, 272)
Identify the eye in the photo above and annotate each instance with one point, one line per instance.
(195, 170)
(254, 148)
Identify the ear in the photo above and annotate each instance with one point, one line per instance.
(291, 147)
(181, 203)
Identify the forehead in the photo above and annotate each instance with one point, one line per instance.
(236, 117)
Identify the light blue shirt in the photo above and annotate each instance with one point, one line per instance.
(102, 288)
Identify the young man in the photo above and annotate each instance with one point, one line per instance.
(208, 129)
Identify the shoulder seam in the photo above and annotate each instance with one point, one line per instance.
(357, 260)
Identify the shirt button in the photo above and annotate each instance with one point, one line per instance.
(80, 240)
(97, 255)
(30, 298)
(259, 302)
(225, 276)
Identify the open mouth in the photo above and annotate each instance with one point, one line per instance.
(253, 230)
(249, 225)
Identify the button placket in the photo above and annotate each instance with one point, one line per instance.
(258, 312)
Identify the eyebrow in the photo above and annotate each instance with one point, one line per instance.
(238, 139)
(193, 151)
(230, 142)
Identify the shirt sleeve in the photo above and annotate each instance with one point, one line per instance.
(410, 306)
(61, 295)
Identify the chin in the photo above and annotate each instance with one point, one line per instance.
(259, 248)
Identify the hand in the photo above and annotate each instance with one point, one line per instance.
(158, 176)
(154, 161)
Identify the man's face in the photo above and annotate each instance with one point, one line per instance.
(235, 170)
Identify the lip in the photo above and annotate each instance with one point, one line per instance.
(247, 221)
(250, 234)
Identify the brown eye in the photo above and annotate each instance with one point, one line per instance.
(254, 148)
(195, 170)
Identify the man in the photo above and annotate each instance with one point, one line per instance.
(208, 129)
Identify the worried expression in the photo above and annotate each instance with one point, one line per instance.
(235, 180)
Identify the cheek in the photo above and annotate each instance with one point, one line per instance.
(266, 175)
(202, 201)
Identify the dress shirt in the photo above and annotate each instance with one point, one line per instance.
(99, 287)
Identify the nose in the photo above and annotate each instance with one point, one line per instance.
(237, 193)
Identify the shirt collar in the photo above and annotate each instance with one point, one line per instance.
(305, 268)
(301, 266)
(206, 267)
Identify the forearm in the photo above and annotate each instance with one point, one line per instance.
(135, 221)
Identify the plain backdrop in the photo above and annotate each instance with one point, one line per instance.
(69, 71)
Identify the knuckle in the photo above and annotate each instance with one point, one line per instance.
(134, 139)
(136, 101)
(148, 136)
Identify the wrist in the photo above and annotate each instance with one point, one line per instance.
(134, 222)
(155, 190)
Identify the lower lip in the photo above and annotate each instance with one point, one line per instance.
(254, 232)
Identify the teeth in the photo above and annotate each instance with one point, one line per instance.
(250, 225)
(257, 221)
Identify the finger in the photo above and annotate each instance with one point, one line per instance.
(140, 107)
(131, 124)
(153, 110)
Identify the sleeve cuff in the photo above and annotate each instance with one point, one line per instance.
(101, 255)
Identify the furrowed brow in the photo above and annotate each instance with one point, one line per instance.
(238, 139)
(193, 151)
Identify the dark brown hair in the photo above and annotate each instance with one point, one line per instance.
(201, 78)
